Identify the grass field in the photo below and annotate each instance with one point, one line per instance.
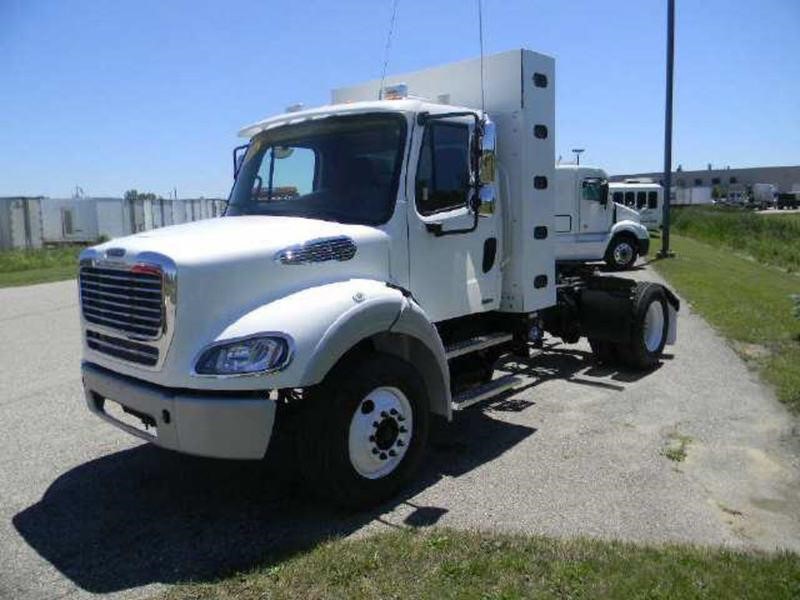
(26, 267)
(442, 563)
(747, 302)
(772, 239)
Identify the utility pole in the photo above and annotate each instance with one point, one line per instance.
(665, 251)
(577, 152)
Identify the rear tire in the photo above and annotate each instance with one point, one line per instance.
(622, 253)
(649, 328)
(366, 430)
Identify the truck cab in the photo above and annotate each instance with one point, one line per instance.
(375, 260)
(589, 226)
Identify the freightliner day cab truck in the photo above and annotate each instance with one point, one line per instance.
(375, 259)
(589, 227)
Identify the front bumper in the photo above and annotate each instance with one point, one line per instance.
(644, 246)
(216, 424)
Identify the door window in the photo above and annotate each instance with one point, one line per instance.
(652, 199)
(591, 189)
(443, 170)
(618, 197)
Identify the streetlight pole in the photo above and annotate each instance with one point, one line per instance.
(577, 152)
(665, 251)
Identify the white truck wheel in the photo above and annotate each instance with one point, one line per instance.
(648, 329)
(621, 253)
(366, 430)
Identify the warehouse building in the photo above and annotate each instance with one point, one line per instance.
(786, 179)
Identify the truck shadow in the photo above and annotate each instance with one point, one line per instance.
(145, 515)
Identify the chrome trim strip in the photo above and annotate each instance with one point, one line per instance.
(340, 248)
(276, 334)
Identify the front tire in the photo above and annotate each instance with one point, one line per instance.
(366, 431)
(622, 253)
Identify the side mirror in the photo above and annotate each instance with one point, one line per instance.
(486, 164)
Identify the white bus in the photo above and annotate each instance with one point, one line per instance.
(646, 198)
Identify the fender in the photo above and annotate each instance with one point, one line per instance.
(322, 323)
(326, 321)
(636, 229)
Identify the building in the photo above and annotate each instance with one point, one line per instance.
(784, 178)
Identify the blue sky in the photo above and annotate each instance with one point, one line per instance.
(150, 94)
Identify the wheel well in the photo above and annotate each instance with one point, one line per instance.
(415, 352)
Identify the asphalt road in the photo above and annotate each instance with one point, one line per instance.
(85, 509)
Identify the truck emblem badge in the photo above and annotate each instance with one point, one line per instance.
(115, 252)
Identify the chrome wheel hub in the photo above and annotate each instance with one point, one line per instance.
(380, 432)
(623, 253)
(653, 326)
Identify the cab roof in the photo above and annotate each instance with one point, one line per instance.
(406, 106)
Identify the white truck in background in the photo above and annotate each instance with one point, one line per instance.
(764, 195)
(591, 228)
(375, 259)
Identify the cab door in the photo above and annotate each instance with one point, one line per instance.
(454, 270)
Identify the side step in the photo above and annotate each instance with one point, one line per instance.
(485, 391)
(480, 342)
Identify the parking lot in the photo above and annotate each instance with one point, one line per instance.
(580, 451)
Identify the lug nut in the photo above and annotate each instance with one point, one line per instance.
(375, 423)
(393, 411)
(383, 455)
(401, 418)
(401, 443)
(372, 438)
(403, 430)
(392, 453)
(374, 450)
(383, 414)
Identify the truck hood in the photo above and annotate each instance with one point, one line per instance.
(233, 239)
(228, 266)
(626, 214)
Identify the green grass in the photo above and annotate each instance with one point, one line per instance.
(747, 302)
(26, 267)
(771, 239)
(441, 563)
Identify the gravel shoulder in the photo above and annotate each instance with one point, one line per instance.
(580, 451)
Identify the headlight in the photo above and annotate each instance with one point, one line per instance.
(256, 354)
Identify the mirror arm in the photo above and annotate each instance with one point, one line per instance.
(236, 164)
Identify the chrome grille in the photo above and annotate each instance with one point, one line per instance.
(128, 301)
(124, 349)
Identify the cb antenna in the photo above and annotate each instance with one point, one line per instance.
(480, 39)
(388, 47)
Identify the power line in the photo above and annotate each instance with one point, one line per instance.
(388, 47)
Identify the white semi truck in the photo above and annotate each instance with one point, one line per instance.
(589, 227)
(375, 259)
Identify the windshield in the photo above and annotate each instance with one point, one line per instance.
(342, 168)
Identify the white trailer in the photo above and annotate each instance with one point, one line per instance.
(20, 223)
(376, 258)
(591, 228)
